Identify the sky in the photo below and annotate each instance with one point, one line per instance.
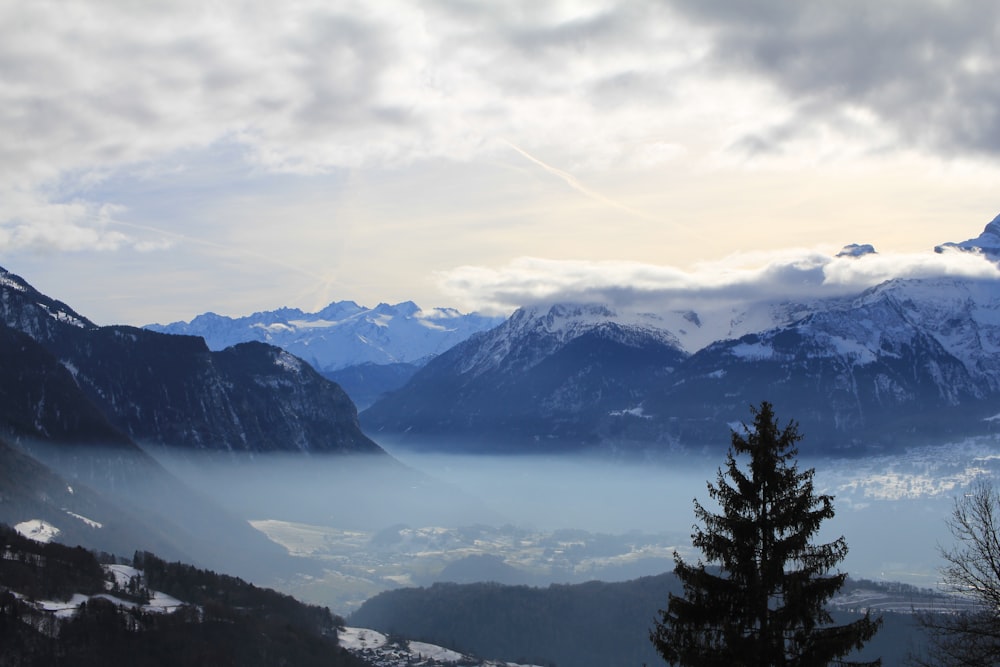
(166, 158)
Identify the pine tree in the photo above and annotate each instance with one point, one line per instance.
(764, 603)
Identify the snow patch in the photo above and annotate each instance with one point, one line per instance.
(71, 367)
(852, 349)
(62, 316)
(122, 574)
(356, 639)
(432, 652)
(6, 281)
(276, 328)
(61, 608)
(89, 522)
(752, 351)
(308, 324)
(37, 530)
(632, 412)
(288, 362)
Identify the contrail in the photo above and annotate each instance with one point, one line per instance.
(221, 246)
(572, 182)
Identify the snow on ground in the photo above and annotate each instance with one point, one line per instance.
(377, 648)
(356, 639)
(122, 573)
(161, 602)
(37, 530)
(432, 652)
(158, 602)
(63, 609)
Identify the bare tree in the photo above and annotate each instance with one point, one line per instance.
(971, 570)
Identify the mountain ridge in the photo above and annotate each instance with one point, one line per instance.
(173, 390)
(343, 333)
(902, 361)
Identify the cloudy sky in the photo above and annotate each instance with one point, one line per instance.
(162, 159)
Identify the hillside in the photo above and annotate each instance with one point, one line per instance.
(596, 624)
(173, 391)
(62, 606)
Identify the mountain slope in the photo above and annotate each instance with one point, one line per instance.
(904, 362)
(855, 376)
(60, 606)
(171, 390)
(544, 380)
(31, 491)
(40, 399)
(593, 624)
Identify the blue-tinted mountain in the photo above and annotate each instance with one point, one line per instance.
(908, 361)
(368, 382)
(877, 371)
(546, 380)
(343, 334)
(368, 351)
(173, 391)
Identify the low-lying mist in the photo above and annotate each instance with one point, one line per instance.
(341, 511)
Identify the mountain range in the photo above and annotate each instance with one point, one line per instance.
(366, 350)
(165, 389)
(79, 399)
(902, 363)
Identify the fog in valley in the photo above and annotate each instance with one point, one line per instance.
(357, 526)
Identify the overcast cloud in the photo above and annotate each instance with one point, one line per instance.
(788, 274)
(582, 131)
(925, 72)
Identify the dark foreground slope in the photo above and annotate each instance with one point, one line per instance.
(594, 624)
(222, 620)
(171, 390)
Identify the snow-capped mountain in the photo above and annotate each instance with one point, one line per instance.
(860, 373)
(987, 243)
(342, 334)
(551, 375)
(906, 360)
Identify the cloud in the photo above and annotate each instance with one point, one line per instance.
(796, 274)
(42, 226)
(307, 86)
(92, 88)
(917, 73)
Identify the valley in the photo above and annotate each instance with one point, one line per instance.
(544, 520)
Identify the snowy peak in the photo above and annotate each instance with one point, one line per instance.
(343, 333)
(987, 243)
(535, 332)
(963, 315)
(564, 321)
